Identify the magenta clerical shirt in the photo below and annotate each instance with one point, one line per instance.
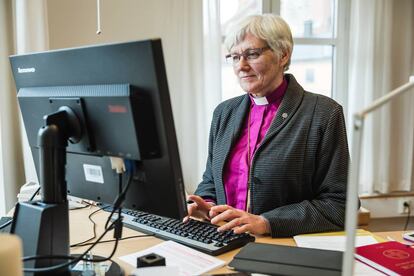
(262, 112)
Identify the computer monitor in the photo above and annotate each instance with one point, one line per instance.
(120, 93)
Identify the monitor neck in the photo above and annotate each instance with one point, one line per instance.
(52, 142)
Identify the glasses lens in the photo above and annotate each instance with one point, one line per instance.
(252, 54)
(232, 59)
(235, 58)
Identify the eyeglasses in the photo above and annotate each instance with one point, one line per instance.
(249, 55)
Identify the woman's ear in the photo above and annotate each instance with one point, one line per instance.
(285, 58)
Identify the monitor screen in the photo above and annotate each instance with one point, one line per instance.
(120, 94)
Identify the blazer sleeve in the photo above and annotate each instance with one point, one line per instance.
(206, 188)
(326, 210)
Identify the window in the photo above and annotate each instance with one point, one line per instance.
(319, 33)
(312, 67)
(312, 24)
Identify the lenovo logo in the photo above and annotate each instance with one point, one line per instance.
(26, 70)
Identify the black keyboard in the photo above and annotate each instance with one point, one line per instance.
(199, 235)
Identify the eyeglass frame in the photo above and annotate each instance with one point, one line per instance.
(245, 53)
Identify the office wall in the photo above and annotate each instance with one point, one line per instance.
(179, 24)
(73, 23)
(389, 206)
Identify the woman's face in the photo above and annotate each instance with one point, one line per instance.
(262, 75)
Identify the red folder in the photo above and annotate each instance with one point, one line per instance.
(391, 258)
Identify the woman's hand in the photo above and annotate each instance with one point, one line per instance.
(199, 208)
(238, 220)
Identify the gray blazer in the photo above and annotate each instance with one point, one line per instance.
(298, 174)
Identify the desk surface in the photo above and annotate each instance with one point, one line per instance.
(82, 229)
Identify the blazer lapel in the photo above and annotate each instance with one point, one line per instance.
(290, 103)
(241, 114)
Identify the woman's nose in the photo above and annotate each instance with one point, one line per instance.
(242, 65)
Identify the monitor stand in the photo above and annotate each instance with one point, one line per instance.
(43, 225)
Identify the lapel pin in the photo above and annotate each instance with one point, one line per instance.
(284, 115)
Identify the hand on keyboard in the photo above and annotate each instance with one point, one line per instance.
(234, 219)
(198, 208)
(238, 220)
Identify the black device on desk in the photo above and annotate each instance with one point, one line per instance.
(107, 100)
(272, 259)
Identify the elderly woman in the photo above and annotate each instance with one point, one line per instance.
(278, 156)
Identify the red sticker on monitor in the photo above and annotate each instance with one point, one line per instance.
(117, 109)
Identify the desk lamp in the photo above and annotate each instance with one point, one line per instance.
(353, 175)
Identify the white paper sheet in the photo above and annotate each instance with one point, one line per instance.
(156, 270)
(189, 261)
(331, 242)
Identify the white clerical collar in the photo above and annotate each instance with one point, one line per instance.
(259, 100)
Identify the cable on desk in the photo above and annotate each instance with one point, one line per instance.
(119, 199)
(87, 204)
(94, 228)
(6, 224)
(126, 238)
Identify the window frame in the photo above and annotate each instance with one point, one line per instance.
(339, 43)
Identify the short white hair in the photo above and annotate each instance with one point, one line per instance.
(268, 27)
